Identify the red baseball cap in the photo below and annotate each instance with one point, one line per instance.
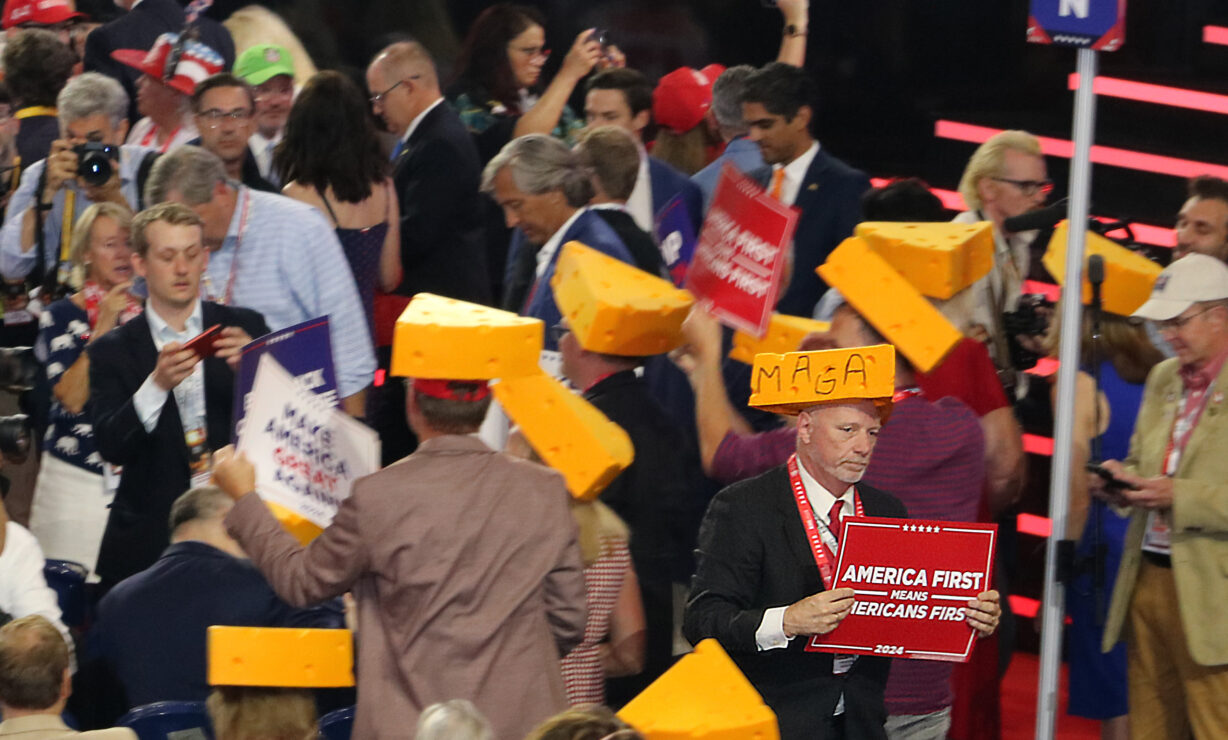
(42, 12)
(453, 390)
(683, 97)
(195, 63)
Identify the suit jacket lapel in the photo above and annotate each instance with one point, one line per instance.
(810, 192)
(146, 354)
(794, 532)
(1215, 407)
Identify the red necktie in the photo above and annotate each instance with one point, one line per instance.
(833, 516)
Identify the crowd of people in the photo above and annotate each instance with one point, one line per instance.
(172, 174)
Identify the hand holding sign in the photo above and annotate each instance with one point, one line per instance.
(984, 612)
(818, 614)
(233, 472)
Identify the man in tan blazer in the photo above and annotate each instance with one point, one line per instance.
(35, 682)
(463, 562)
(1171, 598)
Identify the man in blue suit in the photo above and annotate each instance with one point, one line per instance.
(544, 192)
(778, 107)
(623, 97)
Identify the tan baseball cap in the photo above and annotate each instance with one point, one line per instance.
(1192, 279)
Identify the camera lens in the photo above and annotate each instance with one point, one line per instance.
(15, 436)
(94, 168)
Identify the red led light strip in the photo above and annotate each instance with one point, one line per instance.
(1105, 155)
(1038, 526)
(1159, 236)
(1159, 94)
(1215, 35)
(1037, 445)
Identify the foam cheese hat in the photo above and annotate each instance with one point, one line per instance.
(795, 381)
(939, 259)
(614, 308)
(889, 303)
(569, 434)
(443, 338)
(784, 334)
(703, 696)
(1128, 277)
(275, 656)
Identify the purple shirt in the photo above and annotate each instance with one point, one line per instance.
(931, 456)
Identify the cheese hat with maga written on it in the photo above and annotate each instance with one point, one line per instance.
(796, 381)
(615, 308)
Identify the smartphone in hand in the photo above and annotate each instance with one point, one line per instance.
(203, 344)
(1110, 481)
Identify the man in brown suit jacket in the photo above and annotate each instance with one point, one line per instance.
(463, 562)
(35, 683)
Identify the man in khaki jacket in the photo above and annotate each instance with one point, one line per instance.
(1172, 586)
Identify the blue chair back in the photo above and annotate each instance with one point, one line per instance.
(169, 720)
(336, 725)
(67, 579)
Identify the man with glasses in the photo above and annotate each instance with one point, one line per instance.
(269, 69)
(436, 172)
(1170, 592)
(1005, 177)
(223, 106)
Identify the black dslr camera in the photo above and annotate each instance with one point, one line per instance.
(95, 161)
(19, 371)
(1031, 319)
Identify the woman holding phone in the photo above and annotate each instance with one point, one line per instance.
(71, 498)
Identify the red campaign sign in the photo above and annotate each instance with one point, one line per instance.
(739, 261)
(913, 580)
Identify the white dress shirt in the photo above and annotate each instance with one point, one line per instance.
(262, 150)
(795, 172)
(190, 393)
(639, 205)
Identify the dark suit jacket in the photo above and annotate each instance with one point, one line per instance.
(520, 296)
(638, 242)
(437, 175)
(250, 175)
(192, 586)
(753, 555)
(155, 464)
(138, 29)
(668, 182)
(830, 205)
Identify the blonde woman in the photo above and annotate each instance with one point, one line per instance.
(69, 511)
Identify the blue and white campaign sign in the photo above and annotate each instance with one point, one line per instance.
(1086, 24)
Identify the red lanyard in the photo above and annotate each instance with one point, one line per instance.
(1193, 414)
(149, 137)
(234, 258)
(823, 557)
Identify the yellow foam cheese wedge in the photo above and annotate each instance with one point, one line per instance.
(1128, 277)
(615, 308)
(303, 529)
(437, 337)
(274, 656)
(795, 381)
(939, 259)
(567, 432)
(785, 334)
(889, 303)
(702, 697)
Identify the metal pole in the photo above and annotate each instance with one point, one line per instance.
(1072, 318)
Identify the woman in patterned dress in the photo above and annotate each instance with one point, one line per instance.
(71, 499)
(613, 643)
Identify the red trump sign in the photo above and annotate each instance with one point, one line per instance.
(913, 580)
(740, 258)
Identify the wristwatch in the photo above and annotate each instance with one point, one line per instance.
(792, 30)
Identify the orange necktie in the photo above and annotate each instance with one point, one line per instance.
(778, 183)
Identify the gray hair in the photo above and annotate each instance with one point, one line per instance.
(540, 164)
(205, 502)
(457, 719)
(727, 93)
(89, 94)
(190, 171)
(82, 232)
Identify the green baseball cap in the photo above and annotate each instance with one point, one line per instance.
(263, 62)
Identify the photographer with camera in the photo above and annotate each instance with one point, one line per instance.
(71, 499)
(87, 165)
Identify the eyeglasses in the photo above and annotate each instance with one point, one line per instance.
(533, 52)
(557, 332)
(379, 97)
(215, 116)
(1177, 324)
(1029, 187)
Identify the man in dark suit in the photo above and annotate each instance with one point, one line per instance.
(138, 29)
(159, 408)
(544, 193)
(623, 97)
(203, 578)
(760, 584)
(778, 106)
(436, 172)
